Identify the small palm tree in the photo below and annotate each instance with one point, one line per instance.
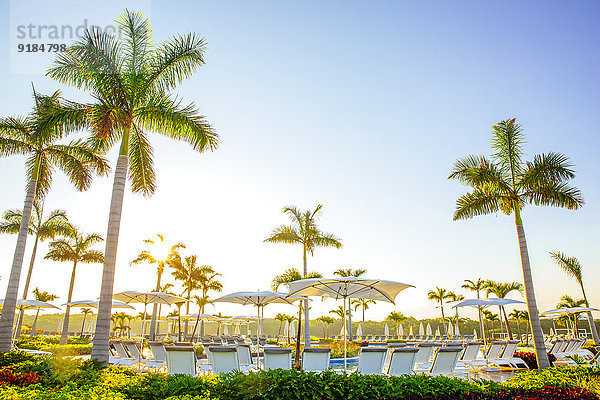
(190, 276)
(132, 81)
(304, 231)
(440, 296)
(208, 281)
(158, 253)
(41, 229)
(573, 268)
(37, 137)
(281, 319)
(85, 312)
(74, 247)
(344, 273)
(326, 321)
(516, 315)
(40, 296)
(397, 318)
(501, 290)
(490, 316)
(507, 183)
(476, 286)
(289, 319)
(364, 304)
(292, 275)
(567, 301)
(339, 312)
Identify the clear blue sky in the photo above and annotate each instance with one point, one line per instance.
(363, 106)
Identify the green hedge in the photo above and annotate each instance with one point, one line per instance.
(64, 379)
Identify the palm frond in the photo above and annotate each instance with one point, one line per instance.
(550, 167)
(507, 140)
(141, 164)
(555, 194)
(475, 203)
(284, 234)
(92, 257)
(136, 44)
(570, 265)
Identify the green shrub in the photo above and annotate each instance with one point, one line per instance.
(14, 357)
(567, 377)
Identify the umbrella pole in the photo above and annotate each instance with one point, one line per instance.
(144, 322)
(345, 337)
(258, 330)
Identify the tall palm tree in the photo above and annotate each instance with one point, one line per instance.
(397, 318)
(75, 247)
(132, 81)
(441, 296)
(349, 272)
(166, 288)
(304, 231)
(567, 301)
(292, 275)
(281, 319)
(501, 290)
(85, 312)
(476, 286)
(37, 137)
(158, 253)
(364, 304)
(507, 183)
(186, 271)
(326, 321)
(41, 229)
(573, 268)
(208, 281)
(40, 296)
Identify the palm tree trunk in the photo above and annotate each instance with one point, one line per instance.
(443, 319)
(306, 316)
(35, 323)
(519, 328)
(590, 317)
(10, 299)
(65, 328)
(536, 328)
(82, 325)
(363, 322)
(27, 281)
(349, 321)
(152, 332)
(510, 337)
(297, 357)
(100, 346)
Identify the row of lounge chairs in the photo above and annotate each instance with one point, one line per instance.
(393, 359)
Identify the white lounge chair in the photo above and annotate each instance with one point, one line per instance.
(444, 362)
(124, 357)
(508, 356)
(402, 361)
(370, 360)
(316, 359)
(277, 358)
(424, 355)
(134, 350)
(493, 353)
(245, 357)
(159, 355)
(181, 360)
(224, 359)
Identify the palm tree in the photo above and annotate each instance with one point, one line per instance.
(190, 275)
(289, 319)
(158, 253)
(76, 248)
(40, 296)
(132, 81)
(476, 286)
(516, 315)
(490, 316)
(121, 322)
(339, 312)
(41, 229)
(507, 183)
(364, 303)
(208, 281)
(292, 275)
(501, 290)
(37, 137)
(397, 318)
(326, 321)
(573, 268)
(166, 288)
(281, 319)
(304, 231)
(344, 273)
(567, 301)
(440, 296)
(85, 312)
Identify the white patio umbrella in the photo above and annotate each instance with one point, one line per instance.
(474, 334)
(456, 330)
(292, 329)
(286, 328)
(348, 288)
(437, 332)
(95, 304)
(30, 305)
(421, 329)
(202, 317)
(359, 331)
(259, 299)
(146, 298)
(428, 330)
(477, 303)
(410, 331)
(450, 330)
(386, 330)
(401, 331)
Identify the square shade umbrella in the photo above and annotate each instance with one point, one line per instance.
(146, 298)
(348, 287)
(24, 304)
(96, 304)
